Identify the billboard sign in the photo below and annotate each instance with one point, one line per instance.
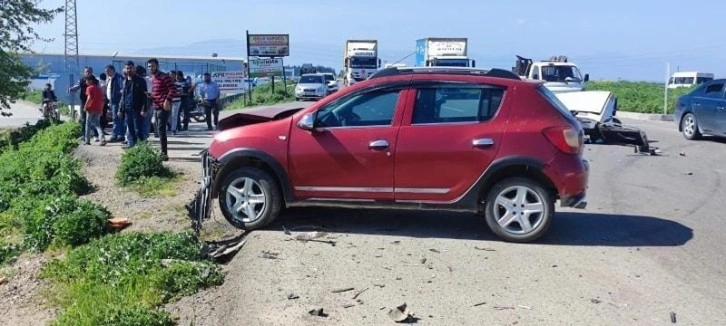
(265, 67)
(268, 45)
(230, 82)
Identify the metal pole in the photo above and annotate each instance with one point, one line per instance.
(284, 76)
(665, 96)
(249, 80)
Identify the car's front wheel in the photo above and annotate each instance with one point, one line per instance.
(689, 125)
(249, 198)
(518, 209)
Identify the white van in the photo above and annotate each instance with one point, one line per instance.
(688, 78)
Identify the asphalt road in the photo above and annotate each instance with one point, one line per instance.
(647, 249)
(23, 113)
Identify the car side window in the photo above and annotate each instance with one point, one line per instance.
(714, 90)
(375, 108)
(456, 104)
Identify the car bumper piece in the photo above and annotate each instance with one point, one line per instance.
(199, 208)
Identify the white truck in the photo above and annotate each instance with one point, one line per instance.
(360, 60)
(558, 73)
(443, 52)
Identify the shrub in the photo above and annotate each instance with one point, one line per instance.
(9, 139)
(263, 95)
(139, 162)
(643, 97)
(121, 277)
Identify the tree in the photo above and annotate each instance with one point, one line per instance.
(17, 34)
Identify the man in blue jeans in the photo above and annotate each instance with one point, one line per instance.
(133, 105)
(114, 84)
(209, 91)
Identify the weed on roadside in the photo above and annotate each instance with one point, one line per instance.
(143, 170)
(121, 279)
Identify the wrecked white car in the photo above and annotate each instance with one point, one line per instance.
(596, 112)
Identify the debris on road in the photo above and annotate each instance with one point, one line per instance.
(400, 314)
(479, 304)
(308, 236)
(341, 290)
(318, 312)
(524, 307)
(423, 260)
(682, 154)
(293, 296)
(396, 242)
(689, 173)
(269, 255)
(286, 230)
(359, 293)
(379, 285)
(224, 248)
(502, 307)
(595, 301)
(435, 250)
(3, 280)
(673, 317)
(349, 305)
(485, 249)
(118, 223)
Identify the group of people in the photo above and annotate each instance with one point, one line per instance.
(133, 98)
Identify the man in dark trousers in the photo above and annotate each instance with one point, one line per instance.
(114, 83)
(132, 105)
(163, 92)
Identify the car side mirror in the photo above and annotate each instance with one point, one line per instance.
(587, 77)
(307, 122)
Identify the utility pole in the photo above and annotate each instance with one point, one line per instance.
(70, 55)
(665, 88)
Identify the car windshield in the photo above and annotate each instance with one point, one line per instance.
(452, 62)
(560, 73)
(363, 62)
(311, 80)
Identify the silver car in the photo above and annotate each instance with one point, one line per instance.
(311, 86)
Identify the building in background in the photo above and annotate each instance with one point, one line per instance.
(50, 67)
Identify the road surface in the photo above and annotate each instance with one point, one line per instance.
(648, 248)
(23, 112)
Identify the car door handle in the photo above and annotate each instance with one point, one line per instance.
(482, 142)
(378, 144)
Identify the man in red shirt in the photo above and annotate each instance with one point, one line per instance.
(163, 92)
(94, 109)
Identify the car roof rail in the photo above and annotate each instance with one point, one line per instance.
(398, 71)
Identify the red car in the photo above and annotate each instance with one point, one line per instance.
(444, 138)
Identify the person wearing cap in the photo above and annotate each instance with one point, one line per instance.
(133, 105)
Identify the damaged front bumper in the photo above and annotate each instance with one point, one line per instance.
(199, 208)
(614, 133)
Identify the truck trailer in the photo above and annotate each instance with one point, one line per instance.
(360, 60)
(443, 52)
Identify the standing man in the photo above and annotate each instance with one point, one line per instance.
(94, 109)
(114, 84)
(162, 92)
(209, 92)
(133, 105)
(81, 85)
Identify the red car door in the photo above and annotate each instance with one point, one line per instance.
(448, 137)
(350, 153)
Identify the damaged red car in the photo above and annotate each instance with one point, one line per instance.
(442, 138)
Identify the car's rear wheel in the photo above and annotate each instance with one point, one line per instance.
(518, 209)
(249, 198)
(689, 125)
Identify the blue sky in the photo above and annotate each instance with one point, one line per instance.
(607, 39)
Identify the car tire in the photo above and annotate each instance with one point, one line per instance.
(689, 126)
(507, 192)
(262, 186)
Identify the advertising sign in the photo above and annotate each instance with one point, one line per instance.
(230, 81)
(268, 45)
(265, 67)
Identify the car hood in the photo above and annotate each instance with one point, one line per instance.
(311, 85)
(255, 116)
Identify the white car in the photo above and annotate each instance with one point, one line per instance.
(311, 86)
(332, 81)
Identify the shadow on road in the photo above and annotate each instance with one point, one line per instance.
(578, 229)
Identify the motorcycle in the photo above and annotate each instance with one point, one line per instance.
(197, 112)
(50, 109)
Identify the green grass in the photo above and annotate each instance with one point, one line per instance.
(156, 186)
(641, 97)
(263, 95)
(121, 280)
(143, 171)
